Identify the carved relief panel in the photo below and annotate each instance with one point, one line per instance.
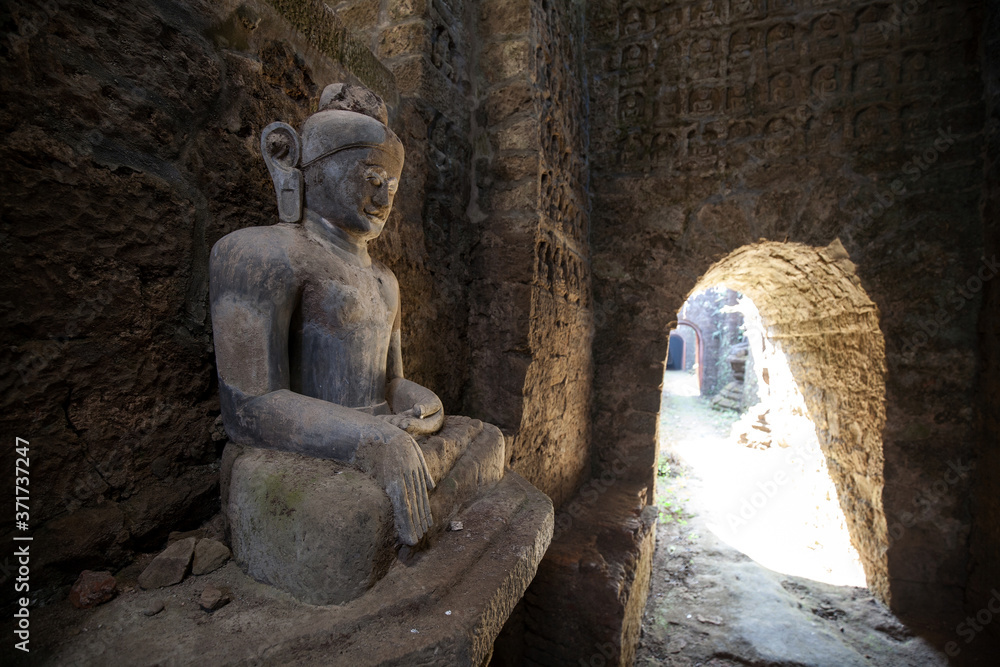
(873, 125)
(827, 39)
(874, 29)
(743, 10)
(705, 58)
(707, 13)
(825, 82)
(781, 51)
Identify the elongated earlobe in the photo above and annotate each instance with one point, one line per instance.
(282, 148)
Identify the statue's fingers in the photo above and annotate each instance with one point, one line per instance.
(418, 526)
(421, 520)
(425, 498)
(428, 480)
(437, 420)
(415, 519)
(417, 505)
(421, 500)
(404, 513)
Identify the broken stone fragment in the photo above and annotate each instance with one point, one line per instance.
(91, 589)
(176, 536)
(209, 555)
(154, 608)
(170, 566)
(213, 598)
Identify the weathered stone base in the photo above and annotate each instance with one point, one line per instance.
(477, 574)
(585, 605)
(323, 531)
(315, 528)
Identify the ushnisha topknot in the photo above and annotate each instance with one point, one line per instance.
(348, 97)
(349, 116)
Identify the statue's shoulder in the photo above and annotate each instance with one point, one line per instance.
(271, 245)
(385, 273)
(260, 242)
(265, 252)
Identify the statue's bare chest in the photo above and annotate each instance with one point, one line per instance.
(340, 300)
(341, 328)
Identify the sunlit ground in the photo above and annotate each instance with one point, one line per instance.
(777, 505)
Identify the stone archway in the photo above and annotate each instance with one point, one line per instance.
(699, 343)
(814, 308)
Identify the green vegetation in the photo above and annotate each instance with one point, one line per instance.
(671, 492)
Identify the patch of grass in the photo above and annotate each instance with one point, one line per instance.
(671, 505)
(663, 467)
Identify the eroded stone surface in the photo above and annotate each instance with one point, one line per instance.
(478, 574)
(532, 319)
(318, 529)
(92, 589)
(284, 531)
(213, 598)
(588, 597)
(209, 555)
(189, 167)
(715, 126)
(170, 566)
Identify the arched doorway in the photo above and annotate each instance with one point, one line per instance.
(676, 353)
(813, 309)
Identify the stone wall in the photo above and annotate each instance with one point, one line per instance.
(153, 154)
(985, 571)
(531, 324)
(718, 124)
(708, 126)
(130, 146)
(506, 79)
(426, 46)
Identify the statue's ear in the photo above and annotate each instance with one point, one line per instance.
(282, 148)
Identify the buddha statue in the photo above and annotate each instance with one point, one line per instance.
(307, 340)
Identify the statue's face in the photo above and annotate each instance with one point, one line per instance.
(354, 189)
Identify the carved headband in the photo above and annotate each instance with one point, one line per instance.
(359, 144)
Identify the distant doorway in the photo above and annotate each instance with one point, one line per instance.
(676, 357)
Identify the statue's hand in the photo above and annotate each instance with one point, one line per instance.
(416, 409)
(421, 419)
(399, 467)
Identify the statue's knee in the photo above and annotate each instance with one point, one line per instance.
(318, 529)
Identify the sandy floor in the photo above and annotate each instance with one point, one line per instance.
(753, 565)
(776, 505)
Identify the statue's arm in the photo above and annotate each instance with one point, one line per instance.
(253, 293)
(416, 409)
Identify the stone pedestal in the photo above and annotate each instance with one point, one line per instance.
(315, 528)
(323, 531)
(442, 606)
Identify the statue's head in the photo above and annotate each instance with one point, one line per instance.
(345, 166)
